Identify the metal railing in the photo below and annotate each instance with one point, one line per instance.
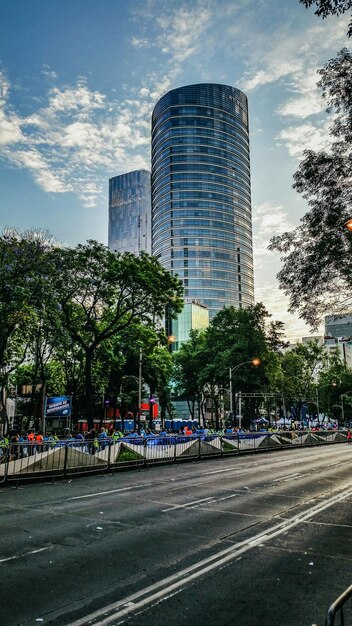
(340, 612)
(27, 460)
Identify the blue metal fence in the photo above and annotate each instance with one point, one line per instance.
(25, 460)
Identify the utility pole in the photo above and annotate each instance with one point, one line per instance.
(139, 390)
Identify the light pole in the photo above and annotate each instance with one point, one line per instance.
(254, 362)
(120, 397)
(139, 390)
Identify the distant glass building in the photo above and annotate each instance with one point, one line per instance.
(338, 326)
(201, 198)
(130, 212)
(194, 316)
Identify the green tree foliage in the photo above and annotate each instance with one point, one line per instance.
(79, 314)
(101, 294)
(324, 8)
(316, 255)
(300, 367)
(234, 337)
(188, 376)
(22, 271)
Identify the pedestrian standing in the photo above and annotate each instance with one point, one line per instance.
(349, 436)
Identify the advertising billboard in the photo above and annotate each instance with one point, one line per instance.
(58, 406)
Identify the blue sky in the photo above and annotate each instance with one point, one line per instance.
(79, 79)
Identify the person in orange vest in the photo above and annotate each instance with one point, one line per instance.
(31, 442)
(39, 441)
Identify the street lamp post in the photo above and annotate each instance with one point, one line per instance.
(139, 390)
(255, 362)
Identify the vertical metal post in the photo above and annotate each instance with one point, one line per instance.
(317, 397)
(239, 409)
(342, 409)
(231, 398)
(139, 389)
(44, 410)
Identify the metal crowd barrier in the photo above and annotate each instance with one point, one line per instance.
(24, 460)
(340, 612)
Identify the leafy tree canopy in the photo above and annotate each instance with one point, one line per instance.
(324, 8)
(316, 255)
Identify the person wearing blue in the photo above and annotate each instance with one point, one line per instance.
(103, 438)
(133, 434)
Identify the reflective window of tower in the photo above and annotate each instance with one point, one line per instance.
(130, 212)
(201, 204)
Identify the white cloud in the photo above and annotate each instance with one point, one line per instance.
(10, 128)
(268, 220)
(182, 30)
(277, 304)
(308, 135)
(140, 43)
(76, 140)
(48, 72)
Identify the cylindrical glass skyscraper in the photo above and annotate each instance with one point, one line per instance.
(201, 202)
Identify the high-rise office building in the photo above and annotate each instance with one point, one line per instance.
(194, 316)
(338, 325)
(130, 212)
(201, 202)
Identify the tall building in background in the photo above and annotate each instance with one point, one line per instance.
(201, 200)
(130, 212)
(338, 326)
(194, 316)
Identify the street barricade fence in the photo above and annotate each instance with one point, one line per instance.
(57, 459)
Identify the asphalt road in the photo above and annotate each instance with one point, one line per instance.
(260, 540)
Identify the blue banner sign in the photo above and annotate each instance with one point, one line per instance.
(58, 406)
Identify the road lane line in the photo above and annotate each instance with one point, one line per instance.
(215, 500)
(183, 506)
(19, 556)
(285, 477)
(103, 493)
(230, 469)
(176, 582)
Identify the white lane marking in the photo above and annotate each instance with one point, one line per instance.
(150, 595)
(19, 556)
(182, 506)
(285, 477)
(298, 476)
(230, 469)
(103, 493)
(211, 501)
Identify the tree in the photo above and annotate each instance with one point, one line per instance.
(316, 255)
(330, 7)
(101, 294)
(188, 370)
(234, 337)
(22, 272)
(300, 367)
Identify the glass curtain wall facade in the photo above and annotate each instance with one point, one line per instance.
(201, 198)
(130, 212)
(194, 316)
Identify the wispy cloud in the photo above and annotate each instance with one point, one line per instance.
(182, 30)
(77, 137)
(277, 303)
(292, 62)
(302, 136)
(268, 220)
